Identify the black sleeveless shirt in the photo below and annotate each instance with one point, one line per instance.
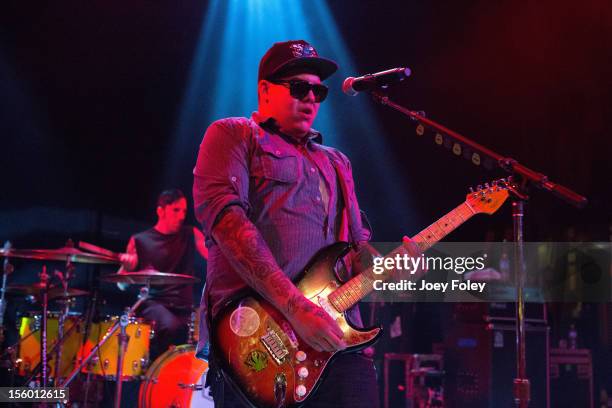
(172, 253)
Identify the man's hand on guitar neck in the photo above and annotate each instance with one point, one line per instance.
(245, 249)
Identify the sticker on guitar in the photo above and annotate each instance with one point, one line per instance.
(244, 321)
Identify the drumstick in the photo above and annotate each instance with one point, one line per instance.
(96, 249)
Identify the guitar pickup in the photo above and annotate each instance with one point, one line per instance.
(275, 346)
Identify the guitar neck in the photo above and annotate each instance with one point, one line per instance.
(360, 286)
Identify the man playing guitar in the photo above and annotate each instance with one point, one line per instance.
(269, 195)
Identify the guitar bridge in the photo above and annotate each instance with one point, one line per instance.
(275, 346)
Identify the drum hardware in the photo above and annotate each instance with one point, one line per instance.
(136, 354)
(44, 292)
(191, 329)
(44, 279)
(144, 362)
(64, 295)
(44, 325)
(91, 310)
(123, 340)
(194, 321)
(119, 324)
(7, 269)
(193, 387)
(59, 343)
(64, 278)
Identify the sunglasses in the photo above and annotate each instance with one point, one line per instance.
(299, 89)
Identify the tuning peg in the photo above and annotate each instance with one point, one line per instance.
(471, 189)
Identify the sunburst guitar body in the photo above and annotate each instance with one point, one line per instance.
(258, 350)
(265, 359)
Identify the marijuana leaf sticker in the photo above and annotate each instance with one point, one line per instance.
(257, 360)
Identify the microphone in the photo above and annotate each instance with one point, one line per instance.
(352, 86)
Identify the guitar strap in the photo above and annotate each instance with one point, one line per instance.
(346, 231)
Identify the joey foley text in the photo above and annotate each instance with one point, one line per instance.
(412, 264)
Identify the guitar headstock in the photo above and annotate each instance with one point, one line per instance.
(488, 198)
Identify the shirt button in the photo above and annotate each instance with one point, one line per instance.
(318, 198)
(278, 152)
(234, 178)
(312, 170)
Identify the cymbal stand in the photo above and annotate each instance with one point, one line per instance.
(144, 294)
(9, 352)
(53, 350)
(64, 278)
(44, 279)
(91, 311)
(6, 270)
(123, 338)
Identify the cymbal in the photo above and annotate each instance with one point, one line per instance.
(24, 290)
(58, 293)
(151, 277)
(62, 254)
(35, 289)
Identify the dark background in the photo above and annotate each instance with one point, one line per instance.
(90, 93)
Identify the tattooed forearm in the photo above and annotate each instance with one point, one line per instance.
(248, 253)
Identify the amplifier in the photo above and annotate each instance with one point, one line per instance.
(480, 364)
(571, 378)
(484, 312)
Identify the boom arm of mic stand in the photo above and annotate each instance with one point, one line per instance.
(521, 385)
(510, 165)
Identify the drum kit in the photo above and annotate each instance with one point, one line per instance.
(114, 349)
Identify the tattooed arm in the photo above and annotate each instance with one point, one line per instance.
(246, 250)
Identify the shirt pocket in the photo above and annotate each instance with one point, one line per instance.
(278, 165)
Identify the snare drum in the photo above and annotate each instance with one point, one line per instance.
(176, 379)
(30, 327)
(136, 357)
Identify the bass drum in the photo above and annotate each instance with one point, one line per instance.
(176, 379)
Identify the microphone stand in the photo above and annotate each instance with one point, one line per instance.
(521, 386)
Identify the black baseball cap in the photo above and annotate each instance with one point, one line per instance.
(290, 56)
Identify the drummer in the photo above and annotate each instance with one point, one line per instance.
(169, 246)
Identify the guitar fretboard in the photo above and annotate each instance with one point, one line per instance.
(359, 286)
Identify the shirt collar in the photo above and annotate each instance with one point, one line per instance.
(269, 124)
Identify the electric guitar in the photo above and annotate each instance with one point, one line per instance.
(265, 360)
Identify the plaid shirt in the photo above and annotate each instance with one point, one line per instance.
(290, 191)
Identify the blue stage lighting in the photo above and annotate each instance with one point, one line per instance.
(223, 82)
